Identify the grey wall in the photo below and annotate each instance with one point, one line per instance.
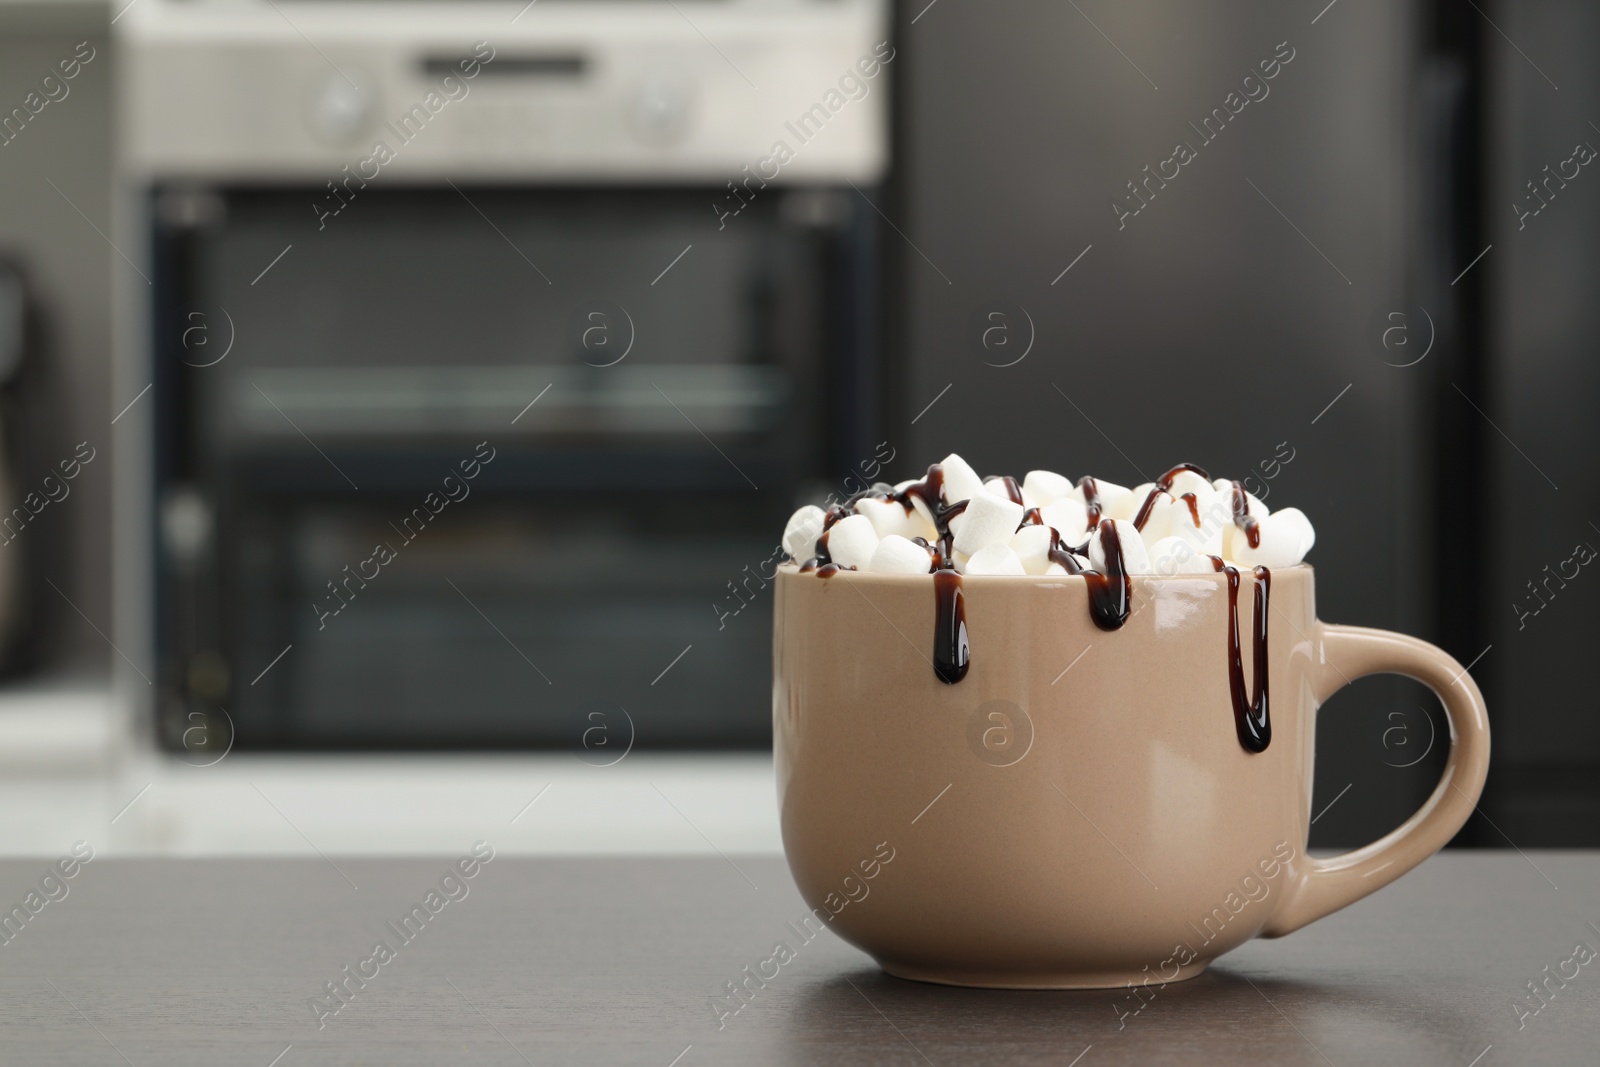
(1542, 397)
(68, 263)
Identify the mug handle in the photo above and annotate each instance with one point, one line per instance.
(1323, 886)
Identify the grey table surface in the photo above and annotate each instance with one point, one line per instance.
(617, 961)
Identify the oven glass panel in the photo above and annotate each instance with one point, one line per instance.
(490, 467)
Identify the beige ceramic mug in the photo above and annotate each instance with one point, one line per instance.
(1081, 809)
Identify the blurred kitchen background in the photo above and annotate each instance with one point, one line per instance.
(576, 342)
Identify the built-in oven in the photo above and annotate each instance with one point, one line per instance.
(489, 346)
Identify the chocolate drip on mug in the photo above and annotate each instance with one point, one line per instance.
(1111, 593)
(951, 651)
(1251, 718)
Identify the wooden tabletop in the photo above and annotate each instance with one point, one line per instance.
(618, 961)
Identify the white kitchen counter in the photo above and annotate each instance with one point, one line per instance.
(70, 768)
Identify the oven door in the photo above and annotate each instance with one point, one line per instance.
(489, 467)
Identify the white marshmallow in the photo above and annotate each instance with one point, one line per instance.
(889, 517)
(1126, 505)
(988, 520)
(961, 482)
(1046, 487)
(800, 536)
(925, 528)
(1187, 482)
(1135, 557)
(851, 541)
(1215, 517)
(1032, 546)
(1158, 523)
(1113, 495)
(1174, 555)
(1069, 517)
(1297, 519)
(995, 559)
(1109, 495)
(997, 487)
(897, 555)
(1285, 538)
(1224, 488)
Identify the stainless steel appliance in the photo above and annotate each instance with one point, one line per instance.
(20, 503)
(487, 348)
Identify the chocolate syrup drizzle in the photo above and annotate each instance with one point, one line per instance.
(1110, 594)
(951, 651)
(1091, 500)
(1059, 554)
(1165, 485)
(1242, 517)
(1251, 718)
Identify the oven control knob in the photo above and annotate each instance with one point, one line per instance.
(341, 108)
(661, 108)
